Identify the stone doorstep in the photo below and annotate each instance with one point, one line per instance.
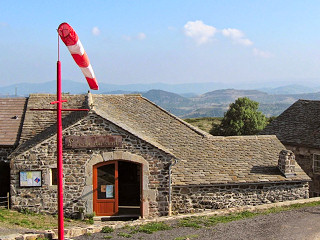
(78, 231)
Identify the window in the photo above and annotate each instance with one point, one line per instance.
(54, 176)
(316, 163)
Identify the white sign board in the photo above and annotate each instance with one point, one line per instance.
(30, 179)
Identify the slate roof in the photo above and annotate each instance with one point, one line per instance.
(11, 116)
(40, 125)
(38, 122)
(202, 159)
(298, 125)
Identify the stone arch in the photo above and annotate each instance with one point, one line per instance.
(111, 156)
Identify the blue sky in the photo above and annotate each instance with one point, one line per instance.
(164, 41)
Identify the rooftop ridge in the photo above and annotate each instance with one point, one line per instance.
(53, 94)
(121, 94)
(13, 98)
(244, 137)
(308, 100)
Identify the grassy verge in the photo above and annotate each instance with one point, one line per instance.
(150, 227)
(207, 221)
(41, 221)
(195, 222)
(27, 219)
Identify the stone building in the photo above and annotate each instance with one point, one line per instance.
(298, 128)
(11, 118)
(126, 155)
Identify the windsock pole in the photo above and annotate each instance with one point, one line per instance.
(59, 162)
(59, 151)
(83, 62)
(70, 38)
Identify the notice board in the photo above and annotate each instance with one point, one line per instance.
(30, 179)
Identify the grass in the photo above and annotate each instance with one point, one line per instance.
(191, 222)
(151, 227)
(187, 237)
(126, 235)
(41, 221)
(32, 220)
(107, 229)
(208, 221)
(204, 123)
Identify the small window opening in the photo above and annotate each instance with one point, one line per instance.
(54, 176)
(316, 163)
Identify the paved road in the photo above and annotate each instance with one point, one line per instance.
(302, 224)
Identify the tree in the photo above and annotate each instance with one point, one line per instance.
(242, 118)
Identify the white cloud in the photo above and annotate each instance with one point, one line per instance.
(141, 36)
(199, 31)
(237, 36)
(95, 31)
(232, 33)
(260, 53)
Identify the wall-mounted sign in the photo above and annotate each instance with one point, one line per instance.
(30, 179)
(92, 141)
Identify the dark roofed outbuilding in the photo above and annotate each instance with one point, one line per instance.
(298, 128)
(11, 118)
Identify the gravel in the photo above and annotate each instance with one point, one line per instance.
(299, 224)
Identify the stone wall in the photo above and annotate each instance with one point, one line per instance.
(78, 171)
(191, 199)
(304, 157)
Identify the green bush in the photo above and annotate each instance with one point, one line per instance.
(153, 227)
(107, 229)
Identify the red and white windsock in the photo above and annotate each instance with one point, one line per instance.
(72, 41)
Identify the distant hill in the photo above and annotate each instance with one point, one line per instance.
(290, 89)
(215, 103)
(167, 99)
(209, 104)
(226, 96)
(73, 87)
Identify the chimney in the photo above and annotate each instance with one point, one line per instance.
(286, 163)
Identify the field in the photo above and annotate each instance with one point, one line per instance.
(204, 123)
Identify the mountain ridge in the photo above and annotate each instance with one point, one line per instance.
(209, 104)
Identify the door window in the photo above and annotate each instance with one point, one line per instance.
(106, 181)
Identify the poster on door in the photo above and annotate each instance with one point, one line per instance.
(109, 191)
(30, 179)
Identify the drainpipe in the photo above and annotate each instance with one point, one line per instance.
(170, 188)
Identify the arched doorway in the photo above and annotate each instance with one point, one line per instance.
(117, 188)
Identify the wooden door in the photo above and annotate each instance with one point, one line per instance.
(105, 188)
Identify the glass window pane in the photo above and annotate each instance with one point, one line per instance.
(106, 181)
